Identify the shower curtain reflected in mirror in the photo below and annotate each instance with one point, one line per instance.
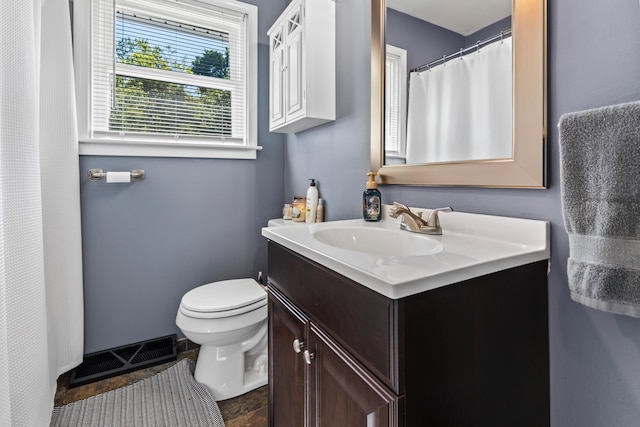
(462, 109)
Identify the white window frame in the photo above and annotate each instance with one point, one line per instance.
(94, 142)
(399, 57)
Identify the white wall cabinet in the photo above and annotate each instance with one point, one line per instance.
(302, 77)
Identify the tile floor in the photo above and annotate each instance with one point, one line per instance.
(248, 410)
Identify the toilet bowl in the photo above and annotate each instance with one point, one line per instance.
(229, 321)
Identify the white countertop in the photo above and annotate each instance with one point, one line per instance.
(473, 245)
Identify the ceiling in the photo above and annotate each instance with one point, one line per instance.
(461, 16)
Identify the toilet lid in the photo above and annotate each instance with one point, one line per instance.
(223, 296)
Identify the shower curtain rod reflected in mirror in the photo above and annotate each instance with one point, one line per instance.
(501, 35)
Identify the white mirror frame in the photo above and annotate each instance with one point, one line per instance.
(527, 168)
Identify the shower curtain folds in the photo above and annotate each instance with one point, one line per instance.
(41, 308)
(462, 109)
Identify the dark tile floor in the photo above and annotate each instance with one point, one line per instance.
(248, 410)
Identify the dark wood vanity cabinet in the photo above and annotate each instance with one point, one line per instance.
(470, 353)
(287, 393)
(321, 385)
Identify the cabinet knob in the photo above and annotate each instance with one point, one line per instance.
(298, 345)
(308, 357)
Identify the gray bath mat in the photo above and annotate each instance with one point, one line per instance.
(172, 398)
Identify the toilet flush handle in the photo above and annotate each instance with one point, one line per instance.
(298, 345)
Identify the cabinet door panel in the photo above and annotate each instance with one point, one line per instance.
(293, 76)
(276, 73)
(286, 367)
(343, 393)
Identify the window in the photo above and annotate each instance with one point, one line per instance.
(166, 77)
(395, 87)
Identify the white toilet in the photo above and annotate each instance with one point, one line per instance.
(229, 321)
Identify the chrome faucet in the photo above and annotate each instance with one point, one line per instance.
(414, 222)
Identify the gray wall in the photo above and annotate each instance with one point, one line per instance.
(426, 42)
(488, 31)
(337, 153)
(423, 41)
(191, 221)
(594, 61)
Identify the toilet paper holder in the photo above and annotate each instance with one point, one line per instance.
(98, 174)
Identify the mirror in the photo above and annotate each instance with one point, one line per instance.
(446, 152)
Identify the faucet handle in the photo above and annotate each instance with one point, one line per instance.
(400, 205)
(433, 220)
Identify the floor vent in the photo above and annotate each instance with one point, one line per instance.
(120, 360)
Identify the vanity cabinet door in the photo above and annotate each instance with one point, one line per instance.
(342, 392)
(286, 364)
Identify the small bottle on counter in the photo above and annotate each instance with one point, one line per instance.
(287, 212)
(298, 209)
(320, 211)
(371, 200)
(311, 204)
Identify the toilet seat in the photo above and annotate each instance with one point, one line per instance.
(223, 299)
(222, 313)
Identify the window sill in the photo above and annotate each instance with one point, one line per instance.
(178, 149)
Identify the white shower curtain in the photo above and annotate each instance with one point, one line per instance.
(463, 109)
(41, 308)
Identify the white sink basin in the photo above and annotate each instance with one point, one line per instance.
(398, 263)
(378, 241)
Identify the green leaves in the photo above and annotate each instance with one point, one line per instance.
(153, 105)
(212, 63)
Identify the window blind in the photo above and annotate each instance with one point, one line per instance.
(392, 103)
(168, 71)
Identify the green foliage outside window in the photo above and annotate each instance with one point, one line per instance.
(154, 106)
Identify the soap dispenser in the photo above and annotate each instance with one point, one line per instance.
(372, 200)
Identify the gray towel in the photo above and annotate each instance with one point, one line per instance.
(600, 185)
